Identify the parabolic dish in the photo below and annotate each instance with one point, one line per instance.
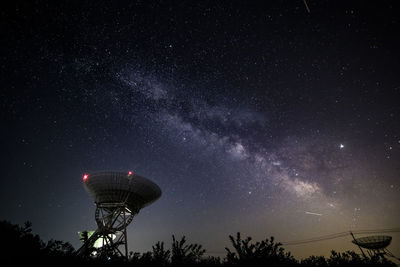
(373, 242)
(110, 187)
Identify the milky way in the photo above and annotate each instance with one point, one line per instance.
(262, 119)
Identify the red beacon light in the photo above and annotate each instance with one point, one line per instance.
(130, 173)
(85, 177)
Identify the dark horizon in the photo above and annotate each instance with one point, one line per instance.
(260, 118)
(243, 251)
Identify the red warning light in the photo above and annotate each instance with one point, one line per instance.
(85, 176)
(129, 173)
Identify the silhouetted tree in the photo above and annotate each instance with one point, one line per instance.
(84, 236)
(317, 261)
(185, 254)
(141, 259)
(17, 241)
(19, 245)
(58, 248)
(266, 252)
(348, 258)
(134, 256)
(161, 256)
(211, 261)
(351, 258)
(146, 259)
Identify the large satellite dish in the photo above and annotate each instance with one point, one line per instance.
(118, 196)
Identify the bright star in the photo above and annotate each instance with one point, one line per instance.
(341, 146)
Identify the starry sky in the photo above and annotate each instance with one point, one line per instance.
(257, 117)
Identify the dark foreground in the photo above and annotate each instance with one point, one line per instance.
(20, 247)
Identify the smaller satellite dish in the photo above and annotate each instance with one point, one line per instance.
(376, 242)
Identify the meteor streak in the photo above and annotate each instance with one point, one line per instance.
(313, 213)
(308, 9)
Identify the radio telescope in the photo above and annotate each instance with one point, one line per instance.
(118, 196)
(375, 245)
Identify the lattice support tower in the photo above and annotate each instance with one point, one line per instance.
(118, 196)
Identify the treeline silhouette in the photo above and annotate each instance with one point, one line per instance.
(19, 246)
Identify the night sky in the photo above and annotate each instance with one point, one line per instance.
(261, 118)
